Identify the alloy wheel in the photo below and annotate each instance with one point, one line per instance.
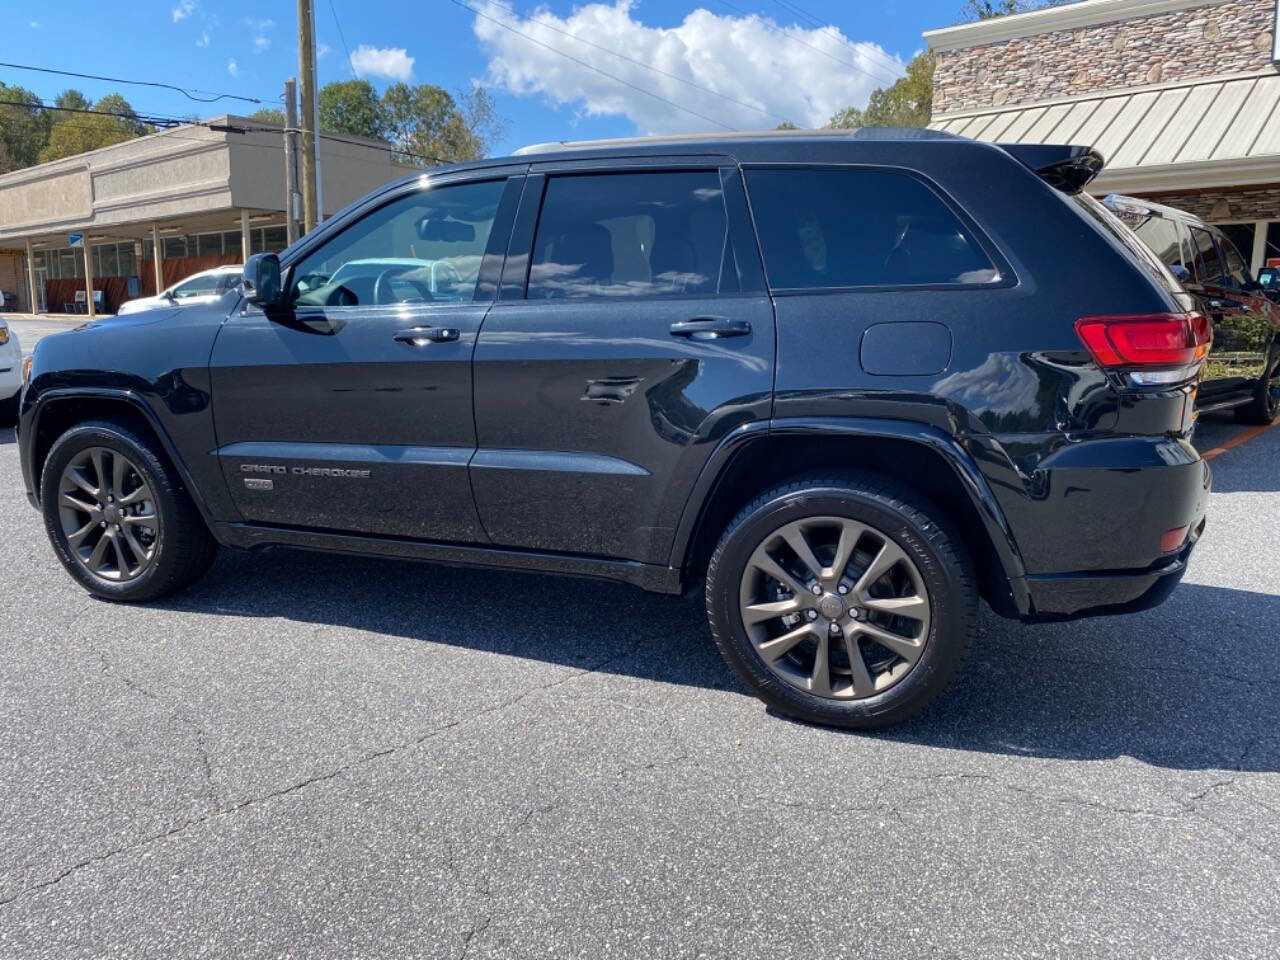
(108, 514)
(834, 607)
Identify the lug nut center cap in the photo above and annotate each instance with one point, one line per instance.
(831, 607)
(111, 514)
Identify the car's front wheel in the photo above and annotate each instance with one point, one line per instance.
(118, 516)
(842, 600)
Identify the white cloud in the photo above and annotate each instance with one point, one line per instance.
(204, 39)
(394, 63)
(259, 29)
(233, 68)
(183, 10)
(745, 59)
(322, 50)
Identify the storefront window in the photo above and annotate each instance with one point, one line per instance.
(1271, 256)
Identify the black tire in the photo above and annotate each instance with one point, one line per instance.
(9, 411)
(1265, 405)
(895, 513)
(183, 548)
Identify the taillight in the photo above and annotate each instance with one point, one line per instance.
(1137, 342)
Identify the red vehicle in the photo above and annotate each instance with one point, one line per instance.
(1243, 372)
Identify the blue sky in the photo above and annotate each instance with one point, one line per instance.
(741, 64)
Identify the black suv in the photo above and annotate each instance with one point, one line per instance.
(853, 382)
(1242, 372)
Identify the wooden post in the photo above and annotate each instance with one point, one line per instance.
(310, 115)
(34, 302)
(156, 257)
(244, 235)
(292, 198)
(88, 276)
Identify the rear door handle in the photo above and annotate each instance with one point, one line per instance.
(421, 335)
(710, 328)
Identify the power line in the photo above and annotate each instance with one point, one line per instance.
(769, 25)
(341, 36)
(647, 66)
(158, 120)
(189, 94)
(823, 27)
(583, 63)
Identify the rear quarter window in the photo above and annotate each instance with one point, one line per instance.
(859, 227)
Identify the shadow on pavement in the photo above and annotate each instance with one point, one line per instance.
(1194, 684)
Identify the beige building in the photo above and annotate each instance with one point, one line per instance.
(1182, 97)
(153, 210)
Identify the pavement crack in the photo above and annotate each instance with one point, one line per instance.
(177, 716)
(220, 811)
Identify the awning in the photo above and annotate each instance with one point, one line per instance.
(1195, 133)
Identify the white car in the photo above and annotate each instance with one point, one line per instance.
(10, 375)
(198, 288)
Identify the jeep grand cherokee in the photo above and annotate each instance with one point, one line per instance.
(854, 383)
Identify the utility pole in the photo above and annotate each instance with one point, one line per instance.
(292, 200)
(310, 113)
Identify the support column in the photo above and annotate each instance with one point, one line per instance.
(156, 257)
(244, 235)
(88, 276)
(33, 302)
(1258, 255)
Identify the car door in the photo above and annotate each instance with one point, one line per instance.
(351, 410)
(631, 334)
(1242, 328)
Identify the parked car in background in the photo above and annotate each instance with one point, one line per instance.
(10, 375)
(793, 371)
(1243, 372)
(202, 287)
(1269, 280)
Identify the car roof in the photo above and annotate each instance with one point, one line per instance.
(728, 144)
(1171, 213)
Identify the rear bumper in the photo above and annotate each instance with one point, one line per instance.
(1072, 596)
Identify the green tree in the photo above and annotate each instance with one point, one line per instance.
(268, 115)
(113, 122)
(24, 128)
(907, 103)
(71, 99)
(352, 107)
(990, 9)
(429, 125)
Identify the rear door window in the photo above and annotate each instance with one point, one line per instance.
(632, 235)
(1236, 269)
(1208, 264)
(858, 227)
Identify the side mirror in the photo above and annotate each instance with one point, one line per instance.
(261, 280)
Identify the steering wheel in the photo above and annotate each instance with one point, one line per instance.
(451, 274)
(382, 292)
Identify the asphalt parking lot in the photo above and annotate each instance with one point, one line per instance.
(309, 755)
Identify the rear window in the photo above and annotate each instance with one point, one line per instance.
(1112, 225)
(858, 228)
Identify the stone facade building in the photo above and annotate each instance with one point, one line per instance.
(1181, 96)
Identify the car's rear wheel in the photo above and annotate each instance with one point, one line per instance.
(118, 516)
(842, 600)
(1265, 406)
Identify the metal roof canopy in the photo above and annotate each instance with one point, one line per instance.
(1219, 131)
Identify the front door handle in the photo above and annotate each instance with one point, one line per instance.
(710, 328)
(420, 335)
